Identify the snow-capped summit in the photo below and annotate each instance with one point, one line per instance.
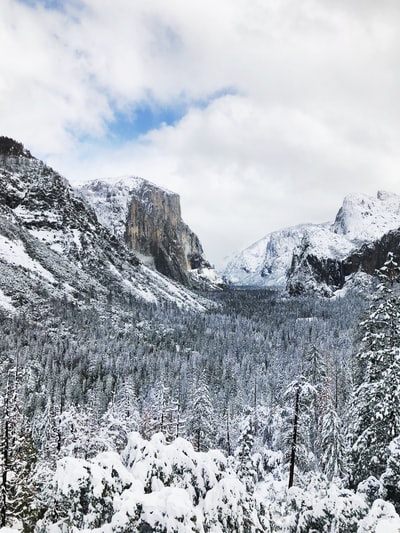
(52, 244)
(365, 218)
(271, 260)
(147, 218)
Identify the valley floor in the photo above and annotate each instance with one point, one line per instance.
(135, 417)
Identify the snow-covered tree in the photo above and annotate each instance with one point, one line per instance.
(333, 445)
(243, 455)
(299, 400)
(316, 373)
(122, 416)
(391, 476)
(200, 416)
(17, 454)
(376, 402)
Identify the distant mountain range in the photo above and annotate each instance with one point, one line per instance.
(125, 239)
(322, 257)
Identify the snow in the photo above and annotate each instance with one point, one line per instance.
(173, 488)
(153, 287)
(165, 289)
(14, 252)
(111, 198)
(361, 219)
(6, 302)
(364, 218)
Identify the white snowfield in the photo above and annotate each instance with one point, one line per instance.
(14, 252)
(361, 219)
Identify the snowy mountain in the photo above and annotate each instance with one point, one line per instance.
(286, 256)
(148, 220)
(53, 246)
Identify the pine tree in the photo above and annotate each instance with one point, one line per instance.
(17, 454)
(299, 398)
(376, 402)
(391, 476)
(200, 416)
(122, 416)
(316, 374)
(333, 445)
(244, 464)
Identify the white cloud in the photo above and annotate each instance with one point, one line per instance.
(314, 116)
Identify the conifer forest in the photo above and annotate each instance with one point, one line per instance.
(263, 413)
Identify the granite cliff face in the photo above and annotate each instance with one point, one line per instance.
(309, 272)
(155, 227)
(53, 247)
(148, 219)
(319, 257)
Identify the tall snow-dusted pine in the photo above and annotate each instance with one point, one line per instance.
(315, 372)
(333, 445)
(200, 415)
(244, 464)
(376, 402)
(299, 399)
(17, 454)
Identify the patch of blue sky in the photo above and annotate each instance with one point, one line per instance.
(54, 5)
(145, 118)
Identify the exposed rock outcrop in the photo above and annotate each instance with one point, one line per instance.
(319, 257)
(148, 219)
(370, 257)
(309, 272)
(52, 245)
(155, 227)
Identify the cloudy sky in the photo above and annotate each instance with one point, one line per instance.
(259, 113)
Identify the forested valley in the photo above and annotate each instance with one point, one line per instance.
(256, 415)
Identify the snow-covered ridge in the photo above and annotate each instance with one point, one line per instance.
(53, 245)
(147, 219)
(361, 219)
(111, 197)
(364, 218)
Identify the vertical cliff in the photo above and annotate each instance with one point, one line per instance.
(148, 219)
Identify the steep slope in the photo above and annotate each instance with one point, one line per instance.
(310, 256)
(148, 220)
(52, 244)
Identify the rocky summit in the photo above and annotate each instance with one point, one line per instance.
(148, 219)
(53, 246)
(320, 257)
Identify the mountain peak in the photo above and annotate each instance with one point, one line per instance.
(364, 218)
(10, 147)
(277, 257)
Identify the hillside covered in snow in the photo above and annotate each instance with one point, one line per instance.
(270, 261)
(53, 245)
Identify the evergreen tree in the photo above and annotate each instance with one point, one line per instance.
(122, 416)
(244, 465)
(391, 476)
(299, 399)
(316, 374)
(18, 455)
(200, 416)
(333, 445)
(376, 402)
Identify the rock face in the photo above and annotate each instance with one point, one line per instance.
(155, 227)
(52, 244)
(148, 219)
(372, 256)
(319, 257)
